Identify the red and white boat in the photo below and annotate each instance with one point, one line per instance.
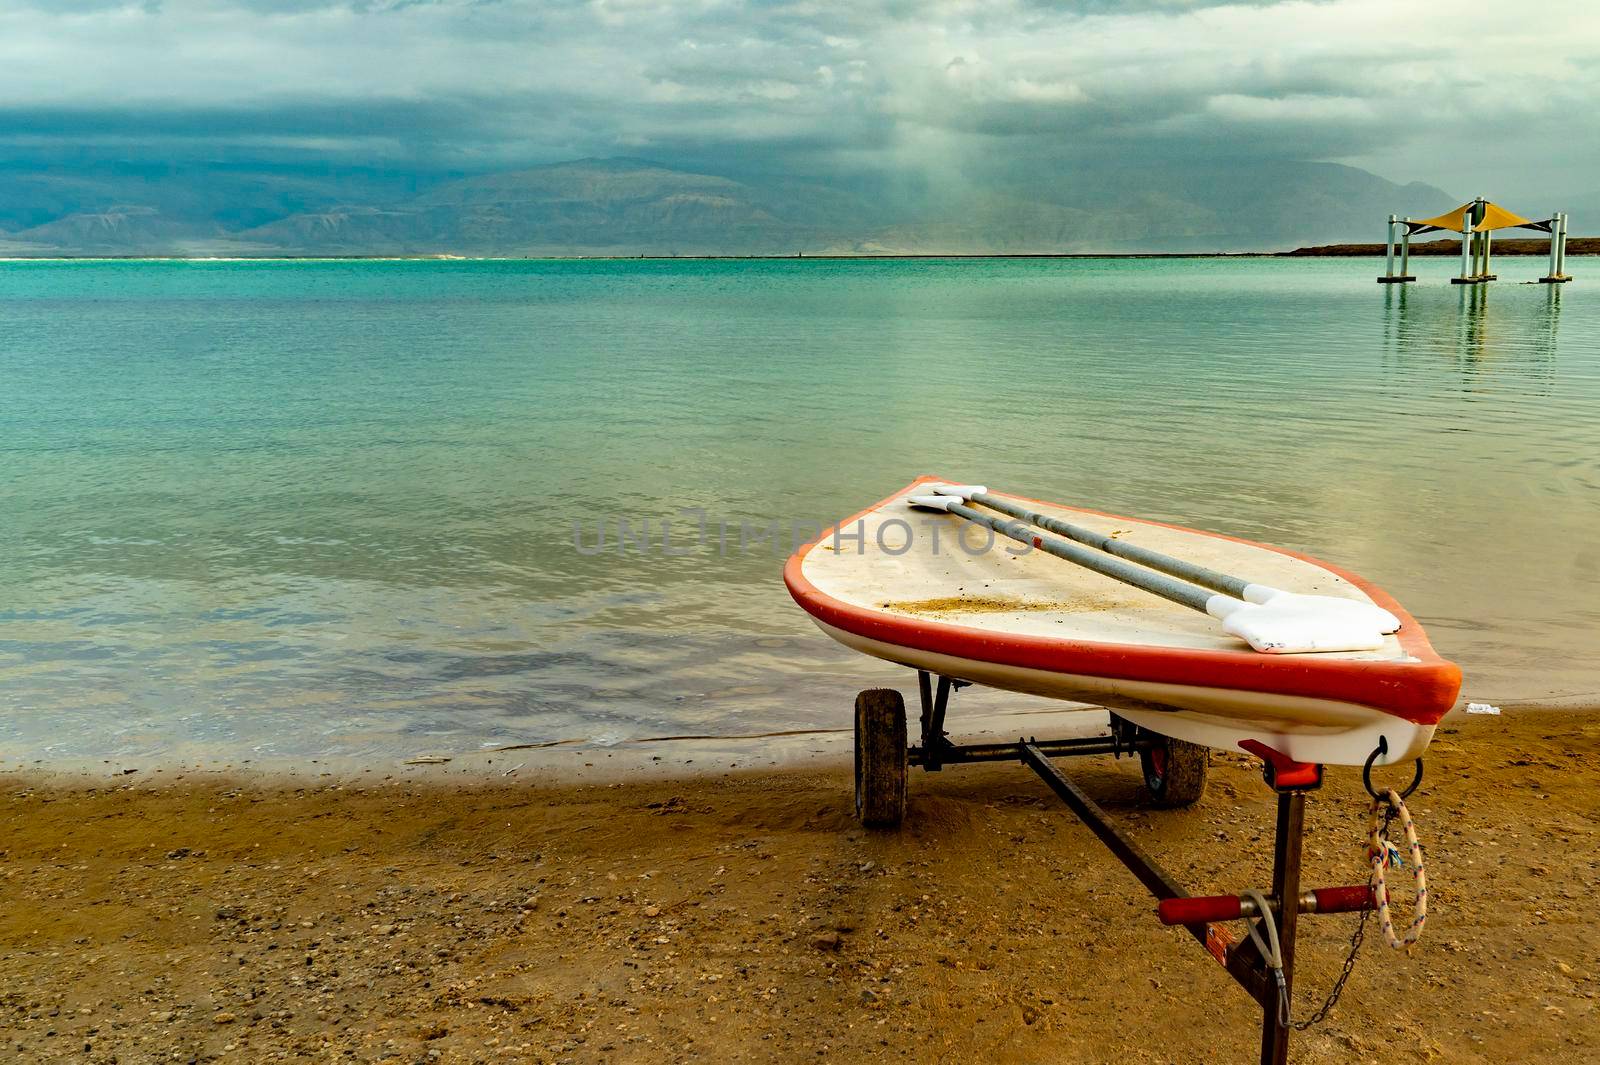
(919, 589)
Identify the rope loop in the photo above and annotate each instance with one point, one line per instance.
(1382, 855)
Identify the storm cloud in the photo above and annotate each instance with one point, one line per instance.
(1471, 96)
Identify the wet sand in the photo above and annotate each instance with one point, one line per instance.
(744, 916)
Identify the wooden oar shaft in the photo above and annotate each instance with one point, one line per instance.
(1155, 583)
(1176, 567)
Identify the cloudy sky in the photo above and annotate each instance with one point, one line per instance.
(1470, 95)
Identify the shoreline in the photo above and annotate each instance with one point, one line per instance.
(747, 917)
(560, 762)
(1579, 247)
(580, 761)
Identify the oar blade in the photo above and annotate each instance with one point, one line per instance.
(932, 502)
(961, 491)
(1362, 613)
(1301, 624)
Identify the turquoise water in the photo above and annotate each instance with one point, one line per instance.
(287, 508)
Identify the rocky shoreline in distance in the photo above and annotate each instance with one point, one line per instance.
(1508, 246)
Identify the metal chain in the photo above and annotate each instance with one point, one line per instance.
(1350, 961)
(1338, 985)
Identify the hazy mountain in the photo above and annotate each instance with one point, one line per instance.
(631, 207)
(1262, 207)
(608, 207)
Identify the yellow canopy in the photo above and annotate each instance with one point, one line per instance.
(1497, 217)
(1453, 219)
(1489, 216)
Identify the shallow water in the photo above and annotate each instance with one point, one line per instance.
(279, 509)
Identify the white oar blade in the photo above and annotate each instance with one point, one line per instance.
(1300, 624)
(1356, 613)
(932, 502)
(961, 491)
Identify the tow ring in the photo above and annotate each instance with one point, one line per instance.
(1366, 771)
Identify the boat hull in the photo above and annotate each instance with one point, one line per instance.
(1041, 626)
(1305, 729)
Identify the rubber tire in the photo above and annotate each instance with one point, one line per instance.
(1175, 772)
(880, 758)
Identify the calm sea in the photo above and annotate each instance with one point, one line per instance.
(296, 508)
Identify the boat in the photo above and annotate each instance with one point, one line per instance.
(931, 591)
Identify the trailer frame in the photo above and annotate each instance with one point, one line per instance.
(1271, 987)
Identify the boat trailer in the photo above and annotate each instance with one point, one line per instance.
(1174, 771)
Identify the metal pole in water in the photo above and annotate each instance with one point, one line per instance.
(1388, 265)
(1477, 241)
(1405, 249)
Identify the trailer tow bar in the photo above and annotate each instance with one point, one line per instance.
(1270, 986)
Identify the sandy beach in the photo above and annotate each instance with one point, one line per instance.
(497, 499)
(744, 916)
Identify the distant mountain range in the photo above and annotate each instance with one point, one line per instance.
(635, 207)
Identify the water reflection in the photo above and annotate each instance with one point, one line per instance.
(1478, 332)
(1549, 316)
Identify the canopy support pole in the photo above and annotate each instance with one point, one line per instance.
(1474, 258)
(1558, 251)
(1561, 260)
(1389, 255)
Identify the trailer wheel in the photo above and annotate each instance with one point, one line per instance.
(1174, 770)
(880, 758)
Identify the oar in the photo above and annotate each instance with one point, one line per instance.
(1227, 584)
(1278, 627)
